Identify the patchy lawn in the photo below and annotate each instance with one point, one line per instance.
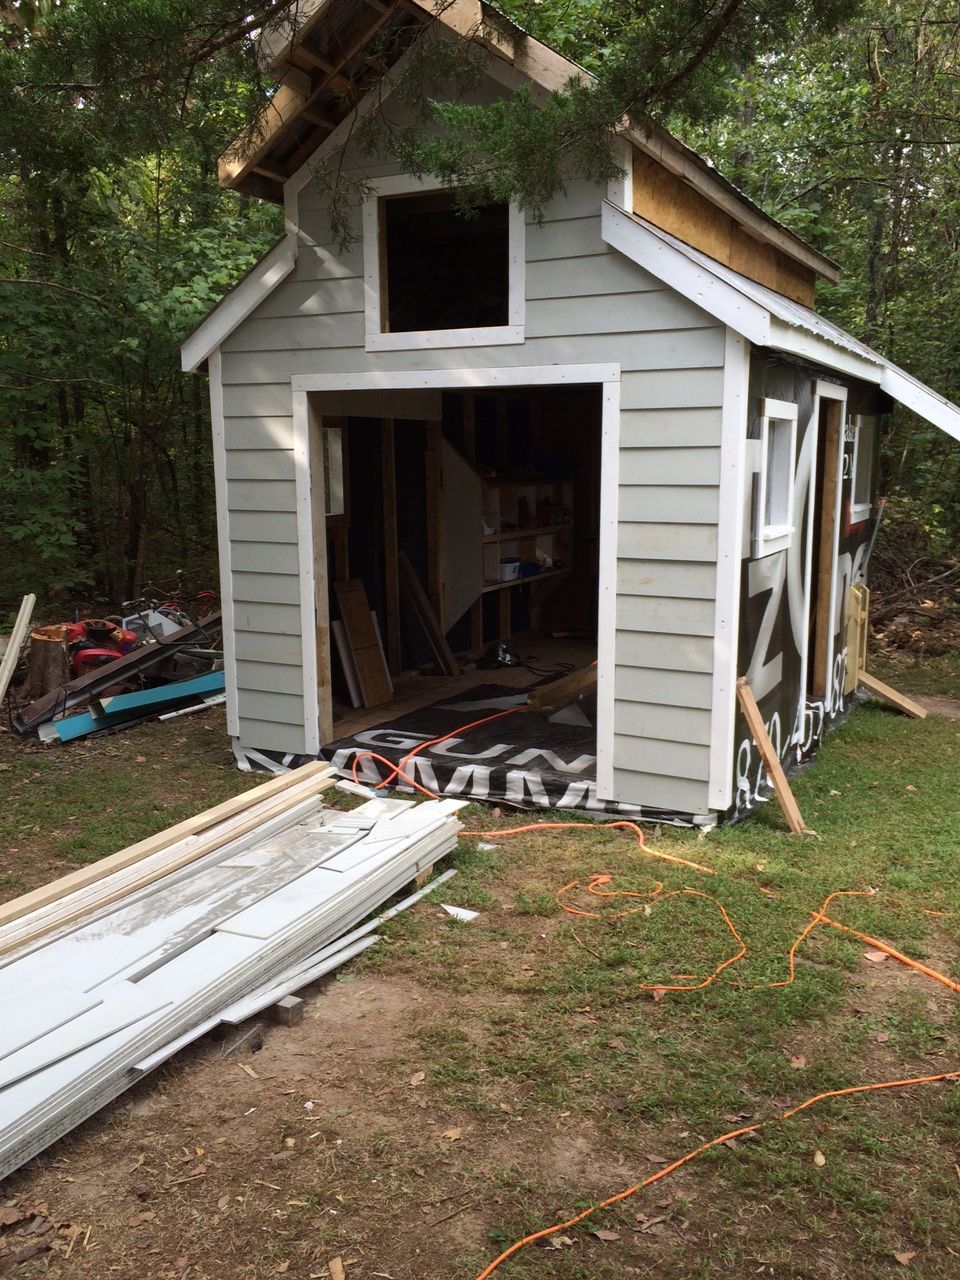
(464, 1084)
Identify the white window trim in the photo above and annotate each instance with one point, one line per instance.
(769, 539)
(426, 339)
(860, 511)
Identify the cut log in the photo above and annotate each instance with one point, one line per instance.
(48, 661)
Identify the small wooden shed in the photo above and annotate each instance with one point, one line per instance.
(622, 433)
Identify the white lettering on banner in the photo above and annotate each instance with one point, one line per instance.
(448, 745)
(472, 780)
(766, 574)
(391, 738)
(518, 783)
(796, 596)
(575, 766)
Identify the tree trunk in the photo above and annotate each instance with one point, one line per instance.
(48, 662)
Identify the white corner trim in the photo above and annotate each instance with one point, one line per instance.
(607, 586)
(715, 296)
(726, 629)
(921, 400)
(238, 304)
(620, 189)
(214, 375)
(495, 335)
(305, 552)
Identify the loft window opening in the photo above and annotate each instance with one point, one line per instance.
(443, 267)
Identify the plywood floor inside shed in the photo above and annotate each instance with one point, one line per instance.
(415, 691)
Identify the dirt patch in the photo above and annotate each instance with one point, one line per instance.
(939, 705)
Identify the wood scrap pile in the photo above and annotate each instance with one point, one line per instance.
(106, 973)
(915, 604)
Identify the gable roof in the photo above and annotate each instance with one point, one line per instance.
(324, 69)
(766, 318)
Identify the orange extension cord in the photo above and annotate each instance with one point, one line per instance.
(594, 887)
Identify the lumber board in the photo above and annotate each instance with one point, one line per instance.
(84, 876)
(17, 636)
(390, 544)
(566, 689)
(427, 617)
(758, 731)
(895, 699)
(183, 859)
(373, 677)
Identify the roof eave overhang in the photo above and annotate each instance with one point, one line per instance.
(256, 168)
(717, 293)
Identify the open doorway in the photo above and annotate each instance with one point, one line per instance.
(495, 506)
(824, 527)
(480, 522)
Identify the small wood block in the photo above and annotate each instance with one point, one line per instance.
(781, 787)
(288, 1011)
(898, 700)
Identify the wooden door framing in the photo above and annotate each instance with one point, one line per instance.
(313, 564)
(834, 397)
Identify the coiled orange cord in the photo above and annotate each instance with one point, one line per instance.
(818, 917)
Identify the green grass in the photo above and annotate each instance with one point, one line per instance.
(538, 1036)
(553, 1018)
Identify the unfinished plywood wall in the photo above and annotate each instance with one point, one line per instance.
(668, 202)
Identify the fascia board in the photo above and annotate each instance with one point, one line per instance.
(238, 304)
(921, 400)
(707, 291)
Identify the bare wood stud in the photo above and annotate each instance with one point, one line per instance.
(781, 787)
(895, 699)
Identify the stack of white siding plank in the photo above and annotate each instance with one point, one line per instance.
(106, 981)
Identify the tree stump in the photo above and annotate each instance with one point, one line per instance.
(48, 661)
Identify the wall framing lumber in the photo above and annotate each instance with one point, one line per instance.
(79, 879)
(778, 779)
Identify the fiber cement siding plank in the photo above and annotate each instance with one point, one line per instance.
(693, 504)
(695, 542)
(243, 400)
(258, 433)
(671, 616)
(268, 619)
(693, 389)
(656, 755)
(681, 795)
(692, 339)
(598, 274)
(297, 298)
(262, 495)
(669, 467)
(278, 527)
(676, 428)
(663, 723)
(260, 464)
(684, 688)
(266, 735)
(267, 588)
(255, 646)
(292, 333)
(264, 704)
(265, 557)
(565, 238)
(270, 677)
(666, 652)
(675, 578)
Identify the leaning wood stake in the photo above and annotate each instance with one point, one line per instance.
(898, 700)
(781, 786)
